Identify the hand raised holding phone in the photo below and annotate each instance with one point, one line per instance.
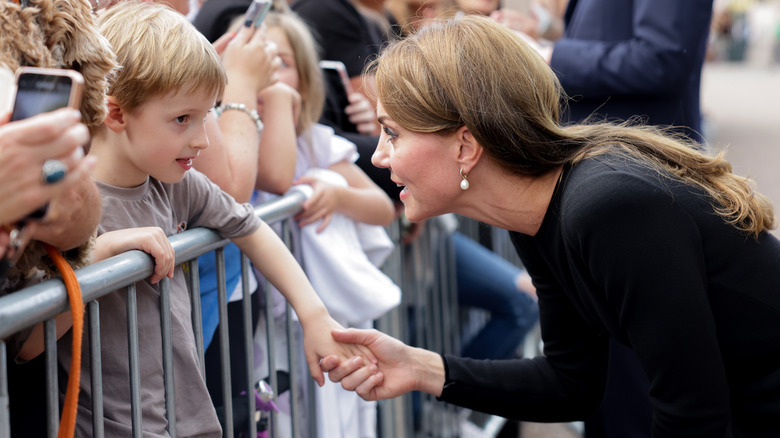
(355, 106)
(39, 152)
(25, 145)
(250, 61)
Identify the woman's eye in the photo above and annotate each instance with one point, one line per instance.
(390, 133)
(182, 119)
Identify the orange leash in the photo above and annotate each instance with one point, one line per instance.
(70, 409)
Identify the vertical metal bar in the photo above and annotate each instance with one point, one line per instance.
(405, 403)
(453, 312)
(95, 368)
(52, 386)
(134, 361)
(311, 407)
(446, 411)
(452, 344)
(5, 409)
(436, 293)
(224, 345)
(249, 345)
(197, 316)
(167, 355)
(270, 327)
(430, 414)
(291, 348)
(391, 413)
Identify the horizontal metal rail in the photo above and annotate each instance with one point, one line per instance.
(42, 301)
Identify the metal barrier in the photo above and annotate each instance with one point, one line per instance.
(428, 317)
(40, 303)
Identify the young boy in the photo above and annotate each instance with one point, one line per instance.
(170, 79)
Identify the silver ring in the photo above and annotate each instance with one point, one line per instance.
(53, 171)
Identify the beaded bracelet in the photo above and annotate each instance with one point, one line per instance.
(241, 107)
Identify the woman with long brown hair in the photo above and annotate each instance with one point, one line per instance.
(627, 232)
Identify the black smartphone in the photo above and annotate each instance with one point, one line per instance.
(336, 73)
(40, 90)
(256, 13)
(338, 89)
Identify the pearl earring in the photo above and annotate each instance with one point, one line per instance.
(464, 184)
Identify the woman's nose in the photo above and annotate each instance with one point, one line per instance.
(380, 156)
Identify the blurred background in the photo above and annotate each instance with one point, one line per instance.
(741, 90)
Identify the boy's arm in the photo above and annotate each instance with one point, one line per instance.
(151, 240)
(274, 260)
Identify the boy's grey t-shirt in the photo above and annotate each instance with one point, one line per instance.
(193, 202)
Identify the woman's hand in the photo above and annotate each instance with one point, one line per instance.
(361, 114)
(401, 368)
(318, 343)
(151, 240)
(72, 218)
(25, 145)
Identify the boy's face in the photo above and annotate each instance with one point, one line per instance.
(164, 135)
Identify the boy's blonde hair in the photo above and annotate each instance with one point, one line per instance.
(159, 52)
(310, 82)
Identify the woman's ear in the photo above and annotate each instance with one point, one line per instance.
(115, 115)
(470, 151)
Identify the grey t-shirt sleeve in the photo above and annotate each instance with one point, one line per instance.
(208, 206)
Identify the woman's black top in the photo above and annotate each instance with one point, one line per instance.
(626, 252)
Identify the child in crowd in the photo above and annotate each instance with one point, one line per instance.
(170, 79)
(341, 227)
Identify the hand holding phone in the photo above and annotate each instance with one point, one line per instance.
(41, 90)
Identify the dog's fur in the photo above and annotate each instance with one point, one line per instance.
(59, 34)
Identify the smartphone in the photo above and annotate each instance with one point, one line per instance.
(256, 13)
(338, 89)
(40, 90)
(336, 70)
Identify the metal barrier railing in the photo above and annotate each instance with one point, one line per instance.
(427, 317)
(40, 303)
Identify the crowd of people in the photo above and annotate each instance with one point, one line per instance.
(193, 116)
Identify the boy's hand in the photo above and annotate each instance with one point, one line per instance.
(151, 240)
(318, 343)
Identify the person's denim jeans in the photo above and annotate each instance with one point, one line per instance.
(487, 281)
